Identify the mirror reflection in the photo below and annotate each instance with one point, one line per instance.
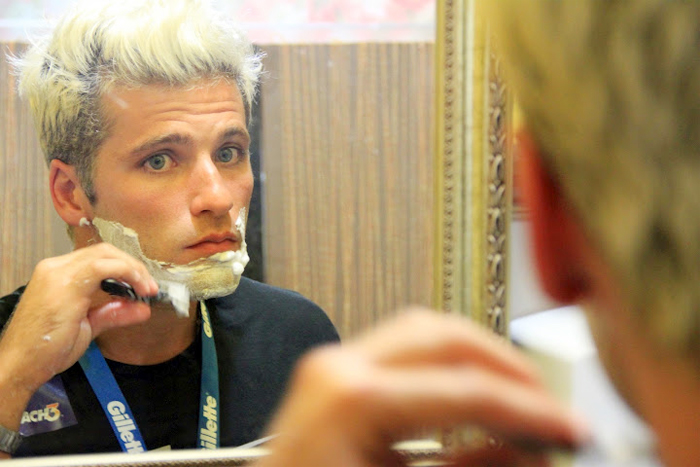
(159, 155)
(582, 70)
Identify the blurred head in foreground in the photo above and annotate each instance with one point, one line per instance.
(610, 92)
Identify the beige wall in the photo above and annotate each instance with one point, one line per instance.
(348, 195)
(29, 228)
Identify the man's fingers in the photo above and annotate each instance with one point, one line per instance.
(422, 371)
(449, 397)
(424, 337)
(404, 399)
(127, 270)
(84, 269)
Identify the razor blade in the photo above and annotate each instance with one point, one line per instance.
(171, 292)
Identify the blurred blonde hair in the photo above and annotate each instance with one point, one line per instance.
(132, 43)
(611, 91)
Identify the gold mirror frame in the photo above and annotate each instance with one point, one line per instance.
(420, 453)
(473, 167)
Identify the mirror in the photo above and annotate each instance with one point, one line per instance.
(395, 219)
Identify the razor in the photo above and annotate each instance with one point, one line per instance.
(168, 292)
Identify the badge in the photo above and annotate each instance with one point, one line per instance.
(48, 410)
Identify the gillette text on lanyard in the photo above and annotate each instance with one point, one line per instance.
(117, 409)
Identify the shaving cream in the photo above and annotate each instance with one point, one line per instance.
(214, 276)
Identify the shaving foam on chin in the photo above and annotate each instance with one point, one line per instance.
(214, 276)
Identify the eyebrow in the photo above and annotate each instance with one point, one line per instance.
(185, 140)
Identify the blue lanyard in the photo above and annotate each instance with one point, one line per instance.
(117, 409)
(208, 437)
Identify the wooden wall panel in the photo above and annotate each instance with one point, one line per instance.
(346, 142)
(26, 213)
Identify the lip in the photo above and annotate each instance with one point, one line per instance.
(215, 243)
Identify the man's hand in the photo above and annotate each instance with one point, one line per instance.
(61, 311)
(348, 404)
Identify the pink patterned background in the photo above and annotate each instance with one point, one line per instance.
(276, 21)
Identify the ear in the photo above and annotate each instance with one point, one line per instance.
(67, 194)
(556, 236)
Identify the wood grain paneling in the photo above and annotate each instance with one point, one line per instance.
(26, 224)
(348, 192)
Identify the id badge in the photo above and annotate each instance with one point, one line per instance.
(48, 410)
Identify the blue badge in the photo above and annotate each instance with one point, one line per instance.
(48, 410)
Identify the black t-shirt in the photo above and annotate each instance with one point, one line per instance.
(260, 332)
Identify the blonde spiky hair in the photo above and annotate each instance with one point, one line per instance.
(132, 43)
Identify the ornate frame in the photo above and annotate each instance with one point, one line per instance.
(473, 211)
(473, 169)
(417, 453)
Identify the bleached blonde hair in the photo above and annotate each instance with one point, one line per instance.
(99, 44)
(611, 91)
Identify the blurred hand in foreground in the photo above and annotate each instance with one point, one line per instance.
(348, 404)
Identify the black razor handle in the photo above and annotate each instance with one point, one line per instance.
(124, 290)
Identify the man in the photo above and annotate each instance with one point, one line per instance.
(610, 170)
(142, 110)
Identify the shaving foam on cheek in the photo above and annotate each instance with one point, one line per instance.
(214, 276)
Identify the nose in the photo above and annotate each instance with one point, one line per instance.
(210, 192)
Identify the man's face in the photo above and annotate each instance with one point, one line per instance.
(175, 168)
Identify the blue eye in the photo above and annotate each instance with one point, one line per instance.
(230, 154)
(157, 161)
